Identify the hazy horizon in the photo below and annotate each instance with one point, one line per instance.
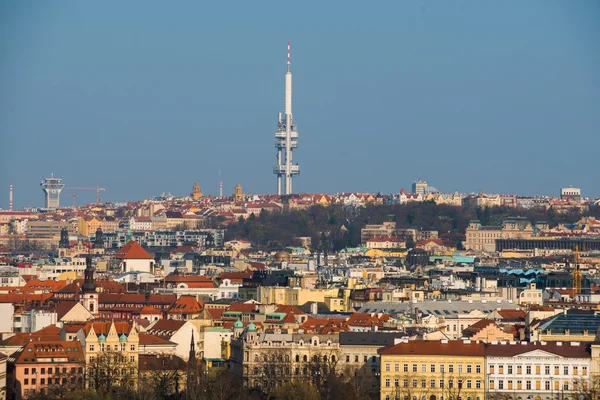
(147, 97)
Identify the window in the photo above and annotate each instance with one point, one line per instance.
(528, 370)
(122, 346)
(43, 371)
(387, 367)
(424, 383)
(405, 383)
(460, 369)
(566, 370)
(469, 384)
(432, 383)
(492, 369)
(477, 384)
(132, 347)
(538, 385)
(387, 382)
(405, 368)
(519, 369)
(414, 368)
(566, 385)
(519, 385)
(396, 382)
(500, 369)
(451, 368)
(49, 371)
(365, 358)
(26, 372)
(25, 381)
(575, 370)
(584, 370)
(538, 369)
(556, 370)
(528, 385)
(469, 369)
(415, 383)
(396, 367)
(450, 383)
(510, 369)
(547, 369)
(547, 385)
(131, 358)
(478, 368)
(347, 358)
(101, 346)
(423, 368)
(442, 368)
(501, 384)
(42, 381)
(432, 368)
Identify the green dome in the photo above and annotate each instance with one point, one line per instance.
(251, 327)
(102, 338)
(122, 338)
(238, 324)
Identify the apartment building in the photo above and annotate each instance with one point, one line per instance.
(433, 370)
(483, 238)
(537, 370)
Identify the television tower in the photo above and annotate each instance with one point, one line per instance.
(286, 139)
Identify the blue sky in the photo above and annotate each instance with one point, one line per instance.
(145, 97)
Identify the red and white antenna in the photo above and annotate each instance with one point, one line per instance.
(288, 63)
(10, 198)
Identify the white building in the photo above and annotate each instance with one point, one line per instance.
(531, 295)
(33, 320)
(539, 370)
(6, 322)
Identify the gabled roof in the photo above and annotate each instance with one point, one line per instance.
(166, 328)
(147, 339)
(186, 305)
(133, 251)
(48, 349)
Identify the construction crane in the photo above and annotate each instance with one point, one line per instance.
(98, 189)
(72, 198)
(576, 272)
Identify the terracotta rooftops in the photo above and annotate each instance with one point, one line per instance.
(434, 348)
(133, 251)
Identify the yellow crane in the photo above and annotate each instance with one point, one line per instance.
(576, 272)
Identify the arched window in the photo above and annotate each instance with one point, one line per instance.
(256, 358)
(332, 359)
(305, 358)
(325, 358)
(297, 357)
(316, 358)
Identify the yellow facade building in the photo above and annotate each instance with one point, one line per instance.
(432, 370)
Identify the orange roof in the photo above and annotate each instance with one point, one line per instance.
(186, 305)
(41, 350)
(133, 250)
(147, 339)
(150, 310)
(104, 327)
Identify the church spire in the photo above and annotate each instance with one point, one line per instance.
(88, 285)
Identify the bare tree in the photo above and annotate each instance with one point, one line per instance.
(111, 372)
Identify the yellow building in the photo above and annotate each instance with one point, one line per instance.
(87, 225)
(336, 300)
(99, 337)
(452, 369)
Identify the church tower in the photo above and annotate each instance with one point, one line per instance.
(239, 195)
(99, 242)
(63, 244)
(196, 193)
(88, 296)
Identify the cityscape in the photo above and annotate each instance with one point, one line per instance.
(235, 292)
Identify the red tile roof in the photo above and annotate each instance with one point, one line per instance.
(133, 251)
(436, 348)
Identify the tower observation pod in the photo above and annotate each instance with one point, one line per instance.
(52, 187)
(286, 140)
